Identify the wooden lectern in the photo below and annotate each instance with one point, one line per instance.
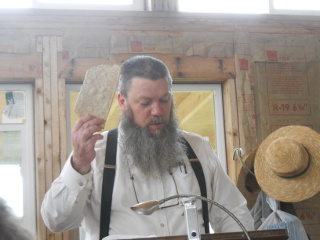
(274, 234)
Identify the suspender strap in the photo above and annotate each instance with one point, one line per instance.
(197, 168)
(108, 182)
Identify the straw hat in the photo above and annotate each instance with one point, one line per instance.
(287, 164)
(246, 182)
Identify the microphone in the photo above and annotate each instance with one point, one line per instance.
(147, 208)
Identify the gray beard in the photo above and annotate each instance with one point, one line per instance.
(153, 154)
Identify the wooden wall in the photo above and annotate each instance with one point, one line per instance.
(50, 48)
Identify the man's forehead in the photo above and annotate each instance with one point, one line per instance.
(137, 79)
(149, 84)
(144, 94)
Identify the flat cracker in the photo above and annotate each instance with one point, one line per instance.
(97, 91)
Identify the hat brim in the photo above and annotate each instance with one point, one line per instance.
(293, 189)
(246, 182)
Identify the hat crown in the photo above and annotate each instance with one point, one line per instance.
(286, 157)
(297, 178)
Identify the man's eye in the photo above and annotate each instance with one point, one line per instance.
(164, 100)
(145, 104)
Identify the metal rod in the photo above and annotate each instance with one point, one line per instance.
(212, 202)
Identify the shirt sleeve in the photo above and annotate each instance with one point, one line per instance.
(65, 203)
(227, 194)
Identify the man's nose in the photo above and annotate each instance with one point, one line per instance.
(156, 110)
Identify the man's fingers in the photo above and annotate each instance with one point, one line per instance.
(79, 123)
(89, 131)
(94, 138)
(88, 121)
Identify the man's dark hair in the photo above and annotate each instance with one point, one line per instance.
(142, 67)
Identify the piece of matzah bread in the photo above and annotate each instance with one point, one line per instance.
(97, 91)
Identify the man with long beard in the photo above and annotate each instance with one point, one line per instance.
(151, 164)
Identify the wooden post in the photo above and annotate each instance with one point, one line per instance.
(231, 125)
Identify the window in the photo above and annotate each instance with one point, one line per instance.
(293, 7)
(198, 107)
(17, 175)
(227, 6)
(297, 4)
(306, 7)
(134, 5)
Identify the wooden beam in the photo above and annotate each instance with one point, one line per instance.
(180, 67)
(23, 66)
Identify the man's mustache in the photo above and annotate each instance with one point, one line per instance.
(157, 119)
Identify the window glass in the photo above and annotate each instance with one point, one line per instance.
(75, 4)
(12, 106)
(199, 109)
(227, 6)
(10, 148)
(105, 2)
(195, 111)
(10, 170)
(16, 4)
(291, 7)
(296, 4)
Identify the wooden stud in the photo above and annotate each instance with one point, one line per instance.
(62, 121)
(62, 132)
(54, 108)
(231, 125)
(40, 154)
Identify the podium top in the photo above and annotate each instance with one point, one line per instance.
(274, 234)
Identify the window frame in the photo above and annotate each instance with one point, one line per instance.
(28, 154)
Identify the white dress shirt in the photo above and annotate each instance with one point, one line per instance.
(74, 199)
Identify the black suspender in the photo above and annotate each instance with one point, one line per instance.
(197, 168)
(108, 182)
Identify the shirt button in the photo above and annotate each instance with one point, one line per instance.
(81, 184)
(162, 225)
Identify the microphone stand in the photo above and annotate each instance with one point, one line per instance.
(147, 208)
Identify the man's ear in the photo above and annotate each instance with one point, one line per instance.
(122, 101)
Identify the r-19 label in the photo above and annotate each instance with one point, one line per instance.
(289, 107)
